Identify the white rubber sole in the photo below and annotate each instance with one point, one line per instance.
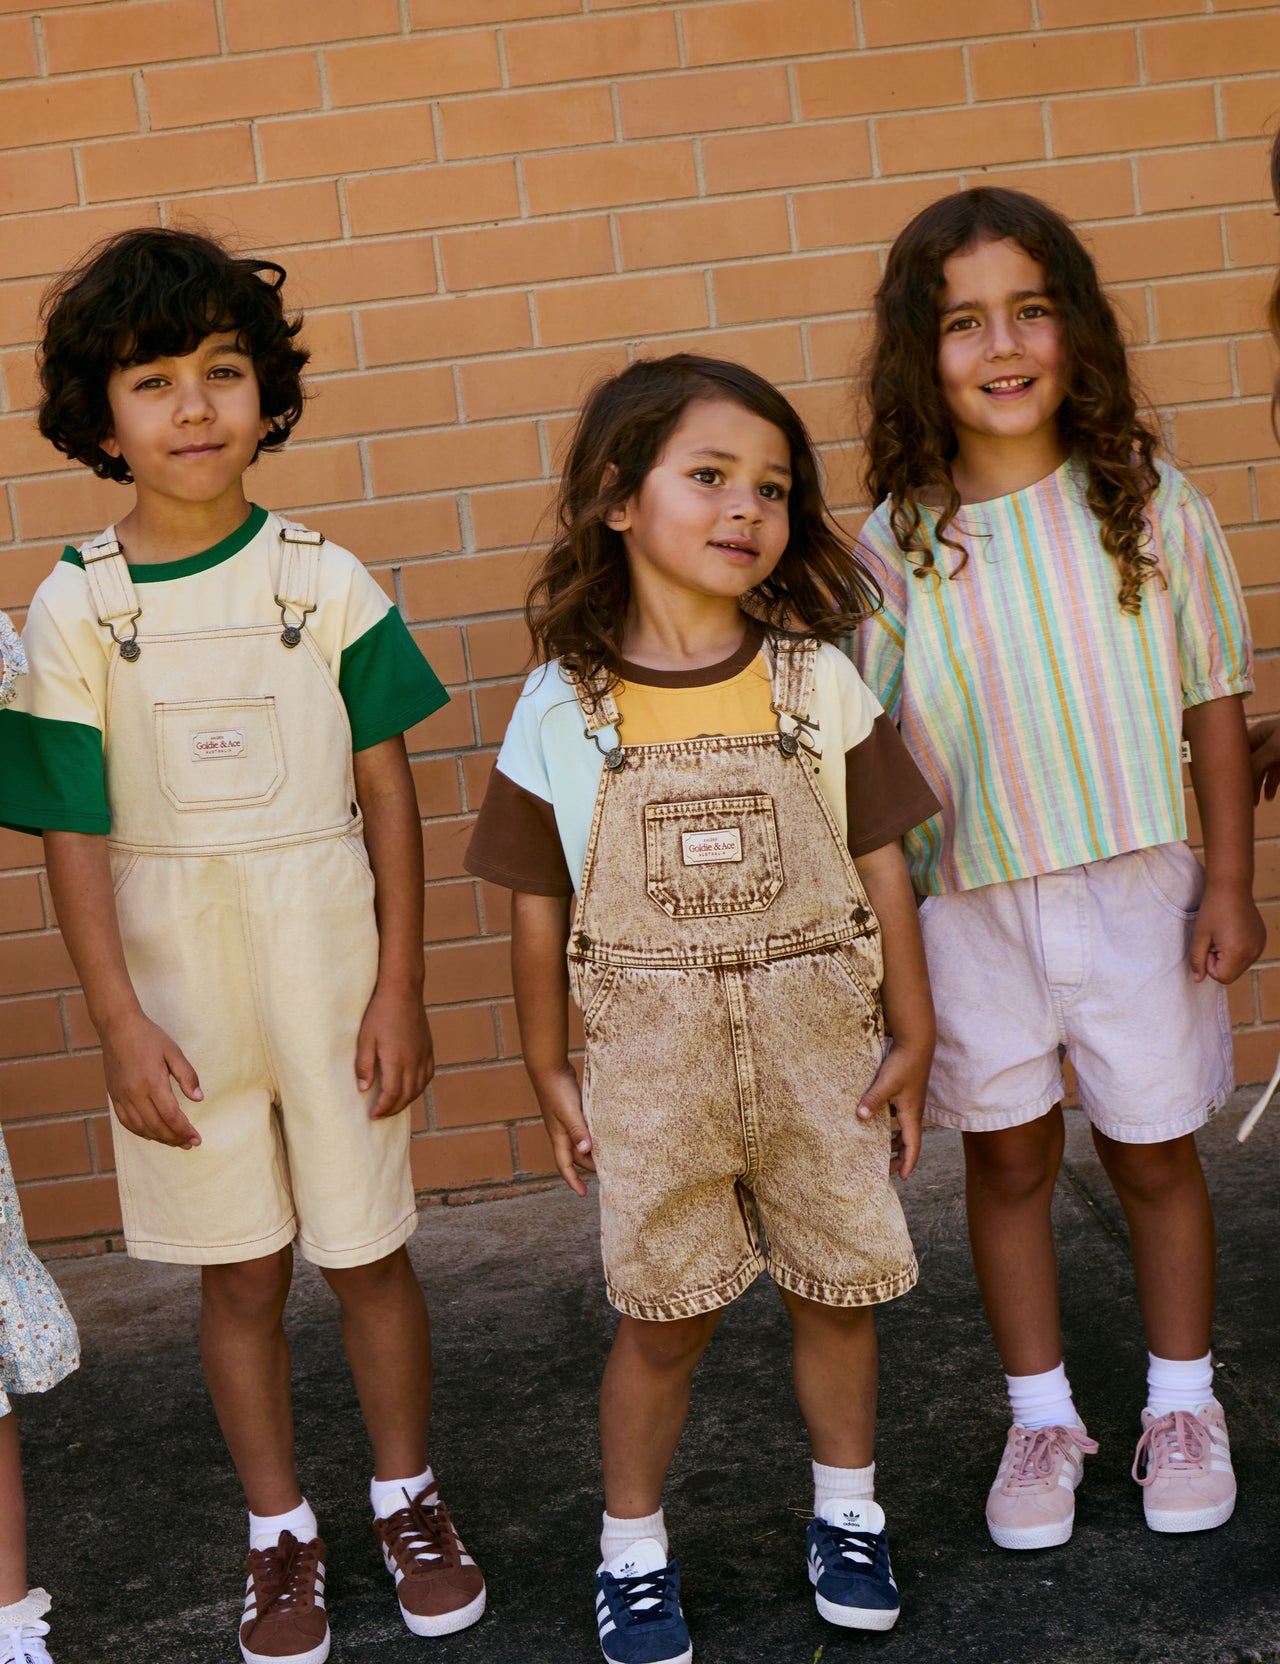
(1204, 1519)
(1031, 1536)
(852, 1617)
(448, 1623)
(685, 1657)
(317, 1655)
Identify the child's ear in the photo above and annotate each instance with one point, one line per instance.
(110, 444)
(618, 519)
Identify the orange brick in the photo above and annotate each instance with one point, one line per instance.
(396, 531)
(70, 1208)
(436, 784)
(1150, 248)
(428, 197)
(699, 234)
(967, 138)
(620, 306)
(464, 1034)
(1218, 434)
(253, 27)
(450, 912)
(17, 50)
(1268, 481)
(525, 254)
(499, 647)
(534, 384)
(329, 337)
(1184, 375)
(704, 103)
(512, 518)
(307, 475)
(1269, 994)
(1203, 48)
(232, 90)
(1141, 120)
(1072, 14)
(162, 163)
(22, 571)
(374, 402)
(1264, 619)
(592, 48)
(870, 213)
(24, 450)
(1255, 1051)
(348, 142)
(443, 650)
(444, 14)
(20, 904)
(35, 179)
(465, 1097)
(355, 272)
(477, 971)
(38, 245)
(1257, 367)
(416, 69)
(839, 346)
(813, 284)
(456, 326)
(533, 1149)
(64, 110)
(1228, 490)
(268, 219)
(1200, 178)
(1241, 1004)
(477, 768)
(452, 1161)
(752, 29)
(1225, 305)
(17, 849)
(481, 583)
(1053, 64)
(70, 507)
(19, 312)
(447, 731)
(873, 84)
(1251, 237)
(52, 1086)
(1080, 190)
(775, 352)
(464, 456)
(29, 1027)
(1250, 107)
(897, 22)
(54, 1150)
(127, 33)
(495, 909)
(610, 177)
(1253, 549)
(517, 121)
(494, 706)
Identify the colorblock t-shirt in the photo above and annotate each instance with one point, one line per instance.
(1047, 721)
(532, 831)
(51, 737)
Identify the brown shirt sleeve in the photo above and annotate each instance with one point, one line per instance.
(516, 843)
(885, 793)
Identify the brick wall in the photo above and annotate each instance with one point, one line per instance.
(483, 204)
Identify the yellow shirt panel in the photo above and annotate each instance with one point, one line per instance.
(652, 715)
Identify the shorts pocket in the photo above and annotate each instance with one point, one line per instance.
(121, 870)
(592, 987)
(1174, 877)
(712, 857)
(858, 975)
(219, 753)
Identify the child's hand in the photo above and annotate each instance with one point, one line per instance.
(394, 1045)
(560, 1099)
(1264, 746)
(900, 1084)
(1228, 936)
(139, 1058)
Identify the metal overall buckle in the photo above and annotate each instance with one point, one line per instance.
(128, 645)
(291, 635)
(615, 758)
(792, 740)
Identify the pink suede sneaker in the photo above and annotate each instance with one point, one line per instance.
(1032, 1503)
(1188, 1484)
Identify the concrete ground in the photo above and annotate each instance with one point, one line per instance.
(137, 1523)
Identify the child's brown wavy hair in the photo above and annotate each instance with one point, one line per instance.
(577, 604)
(911, 441)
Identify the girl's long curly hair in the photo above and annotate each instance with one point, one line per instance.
(577, 604)
(911, 440)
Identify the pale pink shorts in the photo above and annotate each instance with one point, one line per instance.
(1090, 962)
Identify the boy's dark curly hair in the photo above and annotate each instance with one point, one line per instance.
(149, 294)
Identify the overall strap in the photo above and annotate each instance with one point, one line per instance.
(115, 599)
(795, 662)
(299, 581)
(600, 711)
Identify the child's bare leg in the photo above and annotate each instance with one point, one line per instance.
(13, 1518)
(387, 1336)
(1009, 1179)
(644, 1400)
(246, 1364)
(1162, 1191)
(835, 1365)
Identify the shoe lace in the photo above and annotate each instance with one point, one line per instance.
(858, 1547)
(645, 1596)
(422, 1531)
(284, 1576)
(1176, 1437)
(25, 1645)
(1037, 1452)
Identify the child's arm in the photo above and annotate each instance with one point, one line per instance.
(395, 1040)
(1229, 933)
(908, 1004)
(539, 931)
(137, 1055)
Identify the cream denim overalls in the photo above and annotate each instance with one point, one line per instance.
(728, 964)
(245, 901)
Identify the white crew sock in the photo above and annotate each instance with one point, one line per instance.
(853, 1484)
(386, 1495)
(1042, 1400)
(265, 1529)
(1179, 1383)
(29, 1610)
(618, 1535)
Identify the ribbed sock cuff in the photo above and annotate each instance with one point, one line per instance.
(858, 1484)
(619, 1534)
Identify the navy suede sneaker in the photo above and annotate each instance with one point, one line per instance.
(638, 1608)
(849, 1566)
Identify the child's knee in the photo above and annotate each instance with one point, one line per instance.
(672, 1345)
(1152, 1173)
(379, 1279)
(1014, 1165)
(249, 1290)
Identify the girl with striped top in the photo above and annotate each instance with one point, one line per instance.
(1060, 611)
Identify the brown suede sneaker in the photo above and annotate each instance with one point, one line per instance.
(438, 1584)
(284, 1618)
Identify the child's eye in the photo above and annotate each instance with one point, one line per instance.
(226, 372)
(148, 382)
(706, 476)
(776, 493)
(1036, 310)
(957, 324)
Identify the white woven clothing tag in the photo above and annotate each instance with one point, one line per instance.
(723, 844)
(212, 743)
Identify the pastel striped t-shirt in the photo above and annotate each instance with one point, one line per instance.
(1047, 721)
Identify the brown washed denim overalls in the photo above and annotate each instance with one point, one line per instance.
(728, 963)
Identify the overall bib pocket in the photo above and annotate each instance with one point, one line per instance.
(219, 753)
(712, 857)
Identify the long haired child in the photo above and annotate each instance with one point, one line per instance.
(38, 1347)
(700, 764)
(1060, 610)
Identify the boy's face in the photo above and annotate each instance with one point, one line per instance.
(188, 427)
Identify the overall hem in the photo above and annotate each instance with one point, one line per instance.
(846, 1294)
(215, 1253)
(996, 1120)
(364, 1253)
(696, 1303)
